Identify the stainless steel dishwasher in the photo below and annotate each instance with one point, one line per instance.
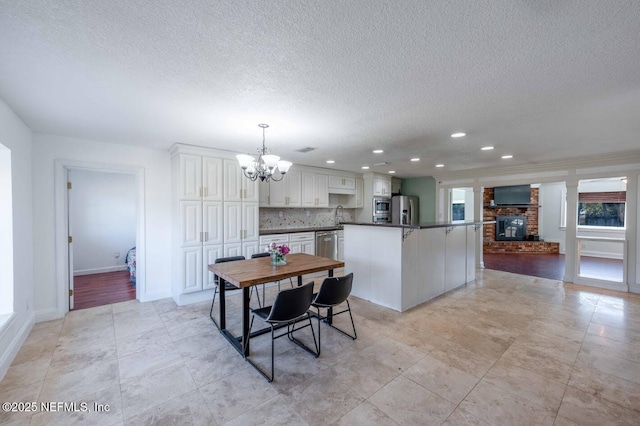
(327, 244)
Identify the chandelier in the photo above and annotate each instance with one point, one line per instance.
(265, 165)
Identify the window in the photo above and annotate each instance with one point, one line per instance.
(457, 211)
(602, 209)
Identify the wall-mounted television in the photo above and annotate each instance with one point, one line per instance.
(515, 194)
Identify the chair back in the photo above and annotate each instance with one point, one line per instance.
(265, 254)
(334, 290)
(291, 303)
(229, 259)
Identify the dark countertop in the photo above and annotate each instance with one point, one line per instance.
(294, 230)
(426, 225)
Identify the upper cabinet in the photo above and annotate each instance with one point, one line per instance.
(286, 192)
(342, 185)
(200, 178)
(236, 186)
(315, 190)
(381, 186)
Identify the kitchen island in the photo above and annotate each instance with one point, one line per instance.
(402, 266)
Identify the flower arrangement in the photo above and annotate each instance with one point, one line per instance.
(278, 253)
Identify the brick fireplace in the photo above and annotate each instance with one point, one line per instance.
(492, 245)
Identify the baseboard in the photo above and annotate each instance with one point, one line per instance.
(6, 358)
(100, 270)
(150, 297)
(609, 285)
(634, 288)
(48, 315)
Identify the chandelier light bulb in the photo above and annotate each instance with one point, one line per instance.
(263, 166)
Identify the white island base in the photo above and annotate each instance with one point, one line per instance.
(400, 273)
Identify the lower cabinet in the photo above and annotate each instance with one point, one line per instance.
(246, 248)
(303, 242)
(341, 246)
(193, 271)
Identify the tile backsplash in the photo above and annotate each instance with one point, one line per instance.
(275, 218)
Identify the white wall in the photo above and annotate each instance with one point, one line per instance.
(156, 167)
(551, 198)
(102, 211)
(15, 136)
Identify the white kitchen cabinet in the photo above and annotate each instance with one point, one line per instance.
(303, 242)
(191, 269)
(341, 246)
(200, 178)
(455, 257)
(315, 190)
(279, 239)
(210, 254)
(236, 186)
(265, 194)
(342, 185)
(357, 201)
(240, 223)
(382, 187)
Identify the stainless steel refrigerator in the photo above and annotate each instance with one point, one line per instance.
(404, 210)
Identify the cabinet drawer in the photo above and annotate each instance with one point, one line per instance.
(302, 236)
(278, 239)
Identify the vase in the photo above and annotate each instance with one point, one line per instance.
(278, 259)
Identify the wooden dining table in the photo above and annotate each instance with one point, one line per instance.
(247, 273)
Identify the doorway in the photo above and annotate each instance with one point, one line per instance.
(102, 224)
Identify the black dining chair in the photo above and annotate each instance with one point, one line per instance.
(333, 292)
(291, 305)
(227, 286)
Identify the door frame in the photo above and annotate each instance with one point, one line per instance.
(62, 258)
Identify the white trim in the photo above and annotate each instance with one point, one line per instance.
(99, 270)
(5, 322)
(61, 166)
(12, 350)
(594, 282)
(602, 254)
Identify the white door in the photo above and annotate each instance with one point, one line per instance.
(250, 221)
(212, 179)
(212, 222)
(232, 181)
(190, 223)
(322, 190)
(294, 183)
(191, 269)
(190, 177)
(296, 247)
(232, 229)
(308, 194)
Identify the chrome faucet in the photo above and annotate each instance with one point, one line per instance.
(337, 218)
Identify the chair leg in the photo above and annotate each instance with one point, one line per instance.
(291, 328)
(353, 325)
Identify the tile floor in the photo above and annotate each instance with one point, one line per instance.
(508, 349)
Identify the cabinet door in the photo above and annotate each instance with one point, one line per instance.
(249, 248)
(294, 184)
(191, 269)
(386, 187)
(233, 250)
(377, 186)
(335, 182)
(210, 254)
(250, 221)
(190, 177)
(359, 193)
(322, 190)
(265, 193)
(212, 222)
(232, 181)
(277, 193)
(232, 228)
(309, 247)
(296, 247)
(190, 223)
(212, 179)
(349, 183)
(250, 190)
(308, 192)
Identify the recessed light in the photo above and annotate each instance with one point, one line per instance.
(330, 161)
(415, 159)
(365, 167)
(486, 148)
(392, 171)
(458, 135)
(506, 157)
(378, 151)
(439, 165)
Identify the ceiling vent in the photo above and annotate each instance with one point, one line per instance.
(307, 149)
(384, 163)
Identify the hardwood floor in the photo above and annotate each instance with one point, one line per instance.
(552, 265)
(102, 289)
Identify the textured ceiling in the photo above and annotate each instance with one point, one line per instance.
(541, 80)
